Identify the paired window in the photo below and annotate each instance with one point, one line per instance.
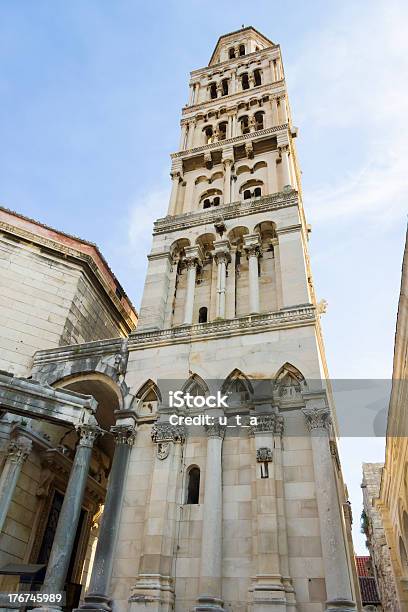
(256, 193)
(214, 201)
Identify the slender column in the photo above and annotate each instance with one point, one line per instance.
(97, 597)
(190, 135)
(273, 71)
(283, 110)
(175, 178)
(285, 175)
(222, 257)
(252, 248)
(211, 547)
(230, 293)
(275, 113)
(233, 82)
(227, 180)
(183, 136)
(69, 516)
(191, 98)
(18, 451)
(193, 258)
(337, 576)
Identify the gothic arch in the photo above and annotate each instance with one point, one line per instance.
(237, 383)
(147, 399)
(289, 381)
(148, 388)
(195, 385)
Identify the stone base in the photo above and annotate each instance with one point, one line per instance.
(343, 605)
(208, 603)
(273, 592)
(94, 602)
(153, 593)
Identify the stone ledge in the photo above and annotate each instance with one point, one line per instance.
(239, 208)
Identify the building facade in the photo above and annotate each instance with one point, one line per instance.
(246, 514)
(393, 497)
(376, 541)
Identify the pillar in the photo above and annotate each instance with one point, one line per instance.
(252, 248)
(183, 136)
(222, 257)
(190, 135)
(97, 596)
(285, 169)
(193, 258)
(227, 180)
(69, 516)
(154, 587)
(275, 113)
(175, 181)
(211, 542)
(337, 575)
(293, 273)
(18, 451)
(283, 110)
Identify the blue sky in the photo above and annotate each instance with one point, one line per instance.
(90, 99)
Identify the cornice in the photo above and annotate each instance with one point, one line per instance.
(227, 211)
(220, 144)
(99, 348)
(290, 318)
(239, 95)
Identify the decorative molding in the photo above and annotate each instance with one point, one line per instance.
(240, 208)
(317, 417)
(268, 423)
(242, 138)
(264, 454)
(164, 432)
(19, 449)
(215, 430)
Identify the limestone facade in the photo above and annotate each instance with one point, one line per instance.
(252, 518)
(393, 497)
(376, 540)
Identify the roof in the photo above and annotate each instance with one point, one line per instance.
(364, 566)
(72, 245)
(369, 593)
(239, 32)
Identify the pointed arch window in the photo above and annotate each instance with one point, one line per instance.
(289, 382)
(238, 387)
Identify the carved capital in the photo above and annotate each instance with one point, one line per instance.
(19, 449)
(268, 423)
(317, 417)
(264, 454)
(124, 434)
(215, 431)
(164, 432)
(88, 434)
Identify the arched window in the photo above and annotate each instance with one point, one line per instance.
(213, 91)
(216, 201)
(259, 121)
(222, 131)
(257, 192)
(225, 87)
(193, 485)
(231, 53)
(245, 81)
(207, 203)
(257, 77)
(244, 121)
(209, 134)
(202, 314)
(247, 194)
(242, 49)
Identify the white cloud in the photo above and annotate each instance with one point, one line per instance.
(352, 75)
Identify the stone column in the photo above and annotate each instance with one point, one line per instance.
(293, 273)
(18, 451)
(97, 597)
(211, 542)
(233, 82)
(222, 257)
(183, 136)
(193, 258)
(190, 135)
(228, 161)
(273, 71)
(69, 516)
(285, 173)
(283, 110)
(154, 587)
(337, 576)
(274, 110)
(175, 182)
(252, 248)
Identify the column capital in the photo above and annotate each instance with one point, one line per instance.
(88, 433)
(165, 432)
(252, 245)
(268, 423)
(215, 430)
(317, 417)
(123, 433)
(222, 250)
(19, 449)
(194, 255)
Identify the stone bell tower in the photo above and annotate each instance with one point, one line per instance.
(256, 520)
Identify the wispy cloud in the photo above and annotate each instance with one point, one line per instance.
(352, 77)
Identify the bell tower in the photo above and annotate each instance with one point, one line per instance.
(229, 297)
